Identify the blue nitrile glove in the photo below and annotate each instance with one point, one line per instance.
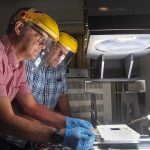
(79, 138)
(74, 122)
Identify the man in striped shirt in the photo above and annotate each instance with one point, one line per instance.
(48, 84)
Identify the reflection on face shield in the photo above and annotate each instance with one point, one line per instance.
(41, 59)
(68, 58)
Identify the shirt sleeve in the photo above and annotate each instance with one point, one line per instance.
(2, 84)
(24, 87)
(29, 72)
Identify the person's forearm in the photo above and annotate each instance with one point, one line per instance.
(63, 105)
(46, 116)
(20, 127)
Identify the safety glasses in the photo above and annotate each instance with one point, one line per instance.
(42, 39)
(60, 51)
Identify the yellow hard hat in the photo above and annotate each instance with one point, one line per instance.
(68, 41)
(43, 21)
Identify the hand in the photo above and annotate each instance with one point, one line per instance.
(79, 138)
(74, 122)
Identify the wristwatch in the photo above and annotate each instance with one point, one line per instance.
(57, 138)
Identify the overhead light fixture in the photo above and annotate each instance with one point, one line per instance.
(110, 21)
(115, 46)
(104, 9)
(123, 44)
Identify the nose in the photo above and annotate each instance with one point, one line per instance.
(59, 56)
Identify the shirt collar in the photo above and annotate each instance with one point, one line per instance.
(12, 59)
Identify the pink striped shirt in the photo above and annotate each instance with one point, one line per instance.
(13, 78)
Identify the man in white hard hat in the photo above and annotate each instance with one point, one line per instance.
(28, 33)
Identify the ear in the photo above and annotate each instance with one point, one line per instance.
(19, 27)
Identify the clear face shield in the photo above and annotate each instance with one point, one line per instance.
(58, 55)
(42, 38)
(41, 59)
(67, 59)
(47, 43)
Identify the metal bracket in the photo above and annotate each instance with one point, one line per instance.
(129, 60)
(101, 61)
